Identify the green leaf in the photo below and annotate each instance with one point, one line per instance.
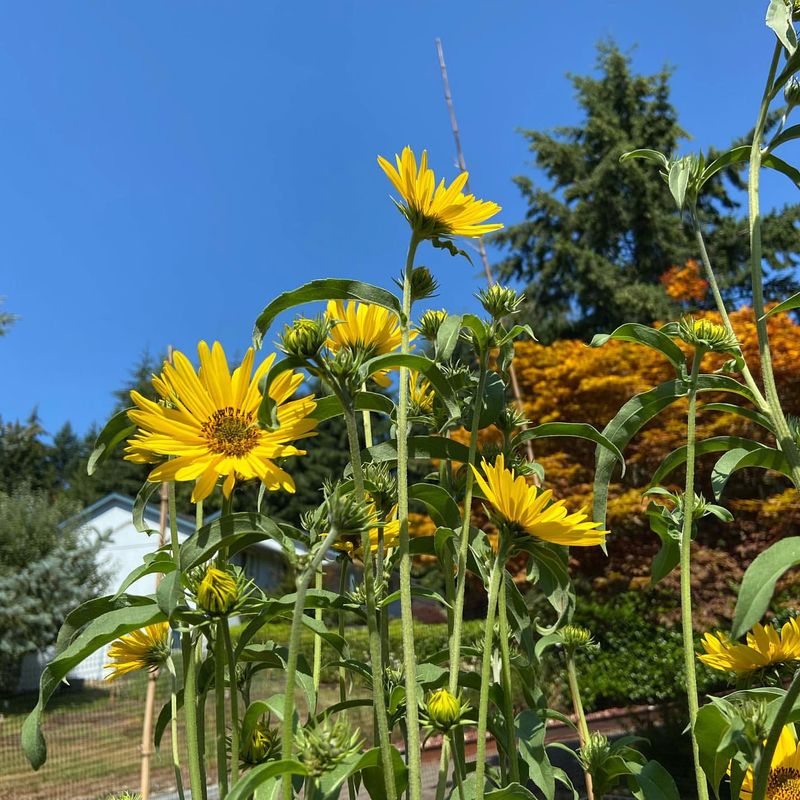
(98, 632)
(654, 782)
(421, 448)
(226, 532)
(530, 729)
(158, 562)
(479, 329)
(119, 427)
(321, 630)
(787, 305)
(759, 582)
(257, 776)
(447, 337)
(578, 430)
(513, 791)
(548, 570)
(678, 180)
(709, 729)
(324, 289)
(649, 337)
(492, 403)
(639, 410)
(747, 413)
(736, 155)
(417, 591)
(330, 406)
(714, 444)
(421, 364)
(791, 66)
(758, 456)
(140, 506)
(372, 773)
(773, 162)
(443, 509)
(647, 155)
(779, 19)
(786, 135)
(448, 244)
(168, 593)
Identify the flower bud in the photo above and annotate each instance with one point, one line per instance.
(382, 486)
(124, 796)
(575, 637)
(444, 710)
(500, 301)
(711, 336)
(423, 284)
(595, 753)
(217, 592)
(305, 337)
(343, 368)
(327, 744)
(430, 322)
(262, 744)
(420, 394)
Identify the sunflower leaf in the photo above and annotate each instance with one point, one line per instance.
(419, 448)
(579, 430)
(257, 776)
(789, 304)
(754, 455)
(330, 406)
(441, 506)
(759, 582)
(649, 337)
(119, 427)
(447, 244)
(322, 290)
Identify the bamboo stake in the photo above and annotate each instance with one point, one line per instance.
(462, 165)
(150, 697)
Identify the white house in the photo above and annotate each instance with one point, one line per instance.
(123, 550)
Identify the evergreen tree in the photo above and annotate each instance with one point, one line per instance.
(598, 235)
(24, 457)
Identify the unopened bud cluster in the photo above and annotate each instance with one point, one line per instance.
(423, 284)
(708, 335)
(595, 753)
(575, 637)
(305, 337)
(323, 746)
(500, 301)
(430, 322)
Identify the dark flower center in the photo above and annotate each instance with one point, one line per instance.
(783, 784)
(231, 432)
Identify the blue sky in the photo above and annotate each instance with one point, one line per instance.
(169, 167)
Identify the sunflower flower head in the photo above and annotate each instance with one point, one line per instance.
(148, 648)
(711, 336)
(764, 647)
(437, 211)
(527, 509)
(206, 424)
(783, 782)
(218, 591)
(420, 394)
(262, 744)
(389, 531)
(365, 330)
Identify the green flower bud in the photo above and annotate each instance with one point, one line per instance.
(423, 284)
(382, 486)
(430, 322)
(511, 418)
(344, 368)
(262, 744)
(443, 710)
(575, 638)
(708, 335)
(218, 591)
(305, 337)
(327, 744)
(595, 753)
(124, 796)
(500, 301)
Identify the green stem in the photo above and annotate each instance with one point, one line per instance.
(173, 705)
(686, 571)
(219, 692)
(234, 702)
(197, 781)
(343, 563)
(764, 759)
(486, 662)
(577, 704)
(317, 664)
(508, 709)
(378, 672)
(723, 311)
(782, 432)
(303, 582)
(444, 760)
(413, 748)
(458, 769)
(463, 545)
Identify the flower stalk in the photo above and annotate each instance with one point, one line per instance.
(173, 706)
(577, 705)
(508, 700)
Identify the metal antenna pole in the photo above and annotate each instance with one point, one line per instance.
(462, 165)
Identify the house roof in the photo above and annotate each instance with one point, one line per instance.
(186, 525)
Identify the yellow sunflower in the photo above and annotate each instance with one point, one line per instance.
(351, 545)
(531, 509)
(365, 328)
(764, 646)
(783, 782)
(146, 648)
(420, 392)
(434, 211)
(208, 424)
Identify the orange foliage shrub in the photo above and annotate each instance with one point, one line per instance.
(570, 381)
(684, 283)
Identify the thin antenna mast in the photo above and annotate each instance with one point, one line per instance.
(462, 165)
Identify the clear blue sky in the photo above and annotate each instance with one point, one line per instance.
(169, 167)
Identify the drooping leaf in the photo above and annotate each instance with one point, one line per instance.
(578, 430)
(647, 155)
(324, 289)
(530, 729)
(330, 406)
(760, 456)
(100, 631)
(790, 304)
(653, 781)
(442, 508)
(140, 507)
(714, 444)
(779, 19)
(419, 448)
(254, 778)
(158, 562)
(741, 411)
(119, 427)
(649, 337)
(759, 581)
(779, 165)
